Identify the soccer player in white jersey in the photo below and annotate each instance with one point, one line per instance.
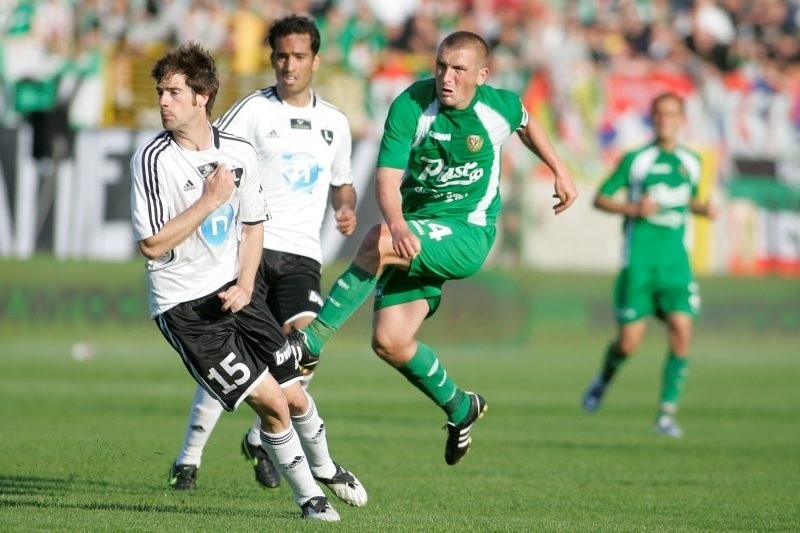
(193, 186)
(437, 185)
(304, 146)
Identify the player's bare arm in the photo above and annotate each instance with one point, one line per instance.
(535, 139)
(406, 245)
(250, 247)
(343, 201)
(641, 209)
(217, 189)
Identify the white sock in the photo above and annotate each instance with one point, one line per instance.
(254, 434)
(311, 430)
(287, 455)
(203, 416)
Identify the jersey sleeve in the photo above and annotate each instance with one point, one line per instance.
(149, 211)
(507, 103)
(694, 166)
(525, 119)
(253, 203)
(398, 132)
(619, 178)
(512, 109)
(341, 164)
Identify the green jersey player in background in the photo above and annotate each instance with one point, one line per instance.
(437, 187)
(661, 179)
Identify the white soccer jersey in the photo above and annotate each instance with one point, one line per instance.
(303, 152)
(167, 180)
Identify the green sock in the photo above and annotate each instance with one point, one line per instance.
(425, 372)
(674, 379)
(613, 361)
(349, 291)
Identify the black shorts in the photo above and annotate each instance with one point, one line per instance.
(229, 353)
(293, 285)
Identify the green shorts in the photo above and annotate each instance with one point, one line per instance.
(641, 291)
(451, 249)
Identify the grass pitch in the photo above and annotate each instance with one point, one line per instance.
(88, 436)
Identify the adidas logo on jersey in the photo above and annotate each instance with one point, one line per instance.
(189, 186)
(272, 134)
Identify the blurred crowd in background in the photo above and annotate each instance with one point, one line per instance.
(564, 56)
(586, 69)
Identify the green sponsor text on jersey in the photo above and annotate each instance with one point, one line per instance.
(451, 157)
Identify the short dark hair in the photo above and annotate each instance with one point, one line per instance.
(466, 39)
(194, 62)
(666, 96)
(294, 24)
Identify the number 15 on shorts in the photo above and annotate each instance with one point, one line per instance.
(231, 370)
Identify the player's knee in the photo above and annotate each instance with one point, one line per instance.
(389, 348)
(679, 344)
(268, 394)
(627, 345)
(297, 399)
(680, 335)
(381, 346)
(272, 409)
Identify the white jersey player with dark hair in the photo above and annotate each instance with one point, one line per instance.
(193, 188)
(304, 145)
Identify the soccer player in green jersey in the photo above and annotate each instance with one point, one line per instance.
(661, 179)
(437, 186)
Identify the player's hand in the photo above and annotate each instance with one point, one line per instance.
(405, 244)
(346, 221)
(565, 191)
(234, 298)
(218, 186)
(646, 207)
(711, 211)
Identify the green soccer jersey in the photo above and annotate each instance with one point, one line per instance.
(670, 179)
(451, 157)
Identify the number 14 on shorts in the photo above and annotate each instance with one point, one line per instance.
(432, 230)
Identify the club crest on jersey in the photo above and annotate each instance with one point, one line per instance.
(327, 135)
(208, 168)
(300, 124)
(474, 143)
(237, 176)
